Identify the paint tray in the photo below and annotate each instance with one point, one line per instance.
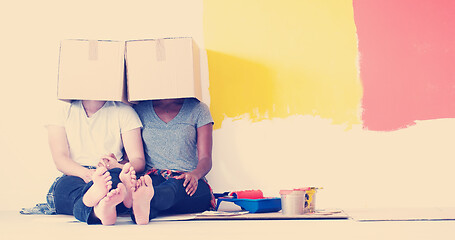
(262, 205)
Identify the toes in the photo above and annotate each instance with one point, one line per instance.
(133, 185)
(110, 194)
(106, 176)
(148, 180)
(101, 170)
(121, 186)
(139, 182)
(113, 192)
(126, 168)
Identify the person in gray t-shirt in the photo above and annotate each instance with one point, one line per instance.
(177, 136)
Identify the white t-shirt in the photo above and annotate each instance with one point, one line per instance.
(89, 138)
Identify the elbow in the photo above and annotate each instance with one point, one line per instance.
(59, 166)
(208, 165)
(138, 165)
(141, 168)
(60, 169)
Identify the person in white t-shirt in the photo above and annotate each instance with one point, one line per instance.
(86, 138)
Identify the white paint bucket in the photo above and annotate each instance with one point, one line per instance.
(292, 201)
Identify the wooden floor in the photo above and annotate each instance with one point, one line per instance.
(16, 226)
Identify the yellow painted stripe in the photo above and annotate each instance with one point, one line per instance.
(271, 59)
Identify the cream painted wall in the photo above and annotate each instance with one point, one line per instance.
(406, 168)
(31, 32)
(357, 168)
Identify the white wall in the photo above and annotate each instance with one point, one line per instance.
(31, 32)
(357, 168)
(406, 168)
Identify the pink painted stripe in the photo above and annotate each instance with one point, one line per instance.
(407, 61)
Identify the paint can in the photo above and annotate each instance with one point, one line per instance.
(310, 200)
(292, 201)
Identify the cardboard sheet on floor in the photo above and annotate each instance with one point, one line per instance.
(402, 214)
(321, 215)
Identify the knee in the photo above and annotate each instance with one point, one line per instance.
(67, 182)
(203, 187)
(175, 184)
(175, 181)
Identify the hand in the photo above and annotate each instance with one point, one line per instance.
(191, 182)
(109, 162)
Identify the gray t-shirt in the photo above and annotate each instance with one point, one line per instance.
(173, 145)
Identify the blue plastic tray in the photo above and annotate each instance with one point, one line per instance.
(262, 205)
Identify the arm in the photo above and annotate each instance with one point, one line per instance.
(58, 144)
(204, 147)
(132, 142)
(134, 152)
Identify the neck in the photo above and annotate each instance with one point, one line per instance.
(164, 103)
(92, 106)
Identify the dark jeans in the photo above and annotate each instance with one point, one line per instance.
(170, 197)
(68, 193)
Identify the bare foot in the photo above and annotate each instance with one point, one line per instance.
(128, 177)
(106, 209)
(141, 200)
(101, 185)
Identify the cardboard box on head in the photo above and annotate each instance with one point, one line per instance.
(163, 69)
(92, 70)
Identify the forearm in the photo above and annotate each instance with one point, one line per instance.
(203, 168)
(58, 144)
(204, 149)
(132, 142)
(68, 167)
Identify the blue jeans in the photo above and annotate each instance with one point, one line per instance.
(69, 191)
(170, 197)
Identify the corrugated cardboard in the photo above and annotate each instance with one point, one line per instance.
(162, 69)
(92, 70)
